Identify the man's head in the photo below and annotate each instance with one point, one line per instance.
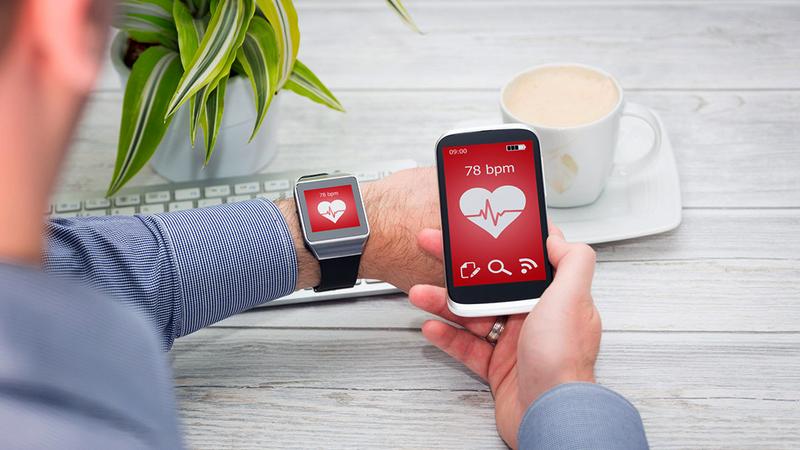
(50, 54)
(56, 45)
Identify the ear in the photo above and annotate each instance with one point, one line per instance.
(70, 38)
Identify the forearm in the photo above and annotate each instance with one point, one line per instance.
(182, 270)
(582, 415)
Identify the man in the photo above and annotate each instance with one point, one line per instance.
(80, 365)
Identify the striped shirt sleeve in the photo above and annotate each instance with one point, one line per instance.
(181, 270)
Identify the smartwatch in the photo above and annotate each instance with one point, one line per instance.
(334, 225)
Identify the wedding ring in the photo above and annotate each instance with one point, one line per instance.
(497, 328)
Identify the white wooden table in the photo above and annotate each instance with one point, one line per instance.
(702, 324)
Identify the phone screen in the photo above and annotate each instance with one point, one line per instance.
(495, 224)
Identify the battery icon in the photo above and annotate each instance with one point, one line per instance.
(515, 147)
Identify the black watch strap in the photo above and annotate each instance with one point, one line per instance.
(338, 273)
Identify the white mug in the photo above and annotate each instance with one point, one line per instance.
(578, 160)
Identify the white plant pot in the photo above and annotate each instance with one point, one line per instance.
(176, 160)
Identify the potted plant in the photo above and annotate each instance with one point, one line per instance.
(182, 61)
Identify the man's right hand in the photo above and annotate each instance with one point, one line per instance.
(556, 343)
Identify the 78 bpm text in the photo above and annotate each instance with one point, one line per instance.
(489, 169)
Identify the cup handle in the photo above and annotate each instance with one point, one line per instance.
(644, 114)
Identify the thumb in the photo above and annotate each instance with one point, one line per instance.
(430, 241)
(574, 264)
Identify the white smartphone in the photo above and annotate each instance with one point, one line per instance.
(494, 220)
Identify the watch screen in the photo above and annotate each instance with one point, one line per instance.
(493, 213)
(331, 208)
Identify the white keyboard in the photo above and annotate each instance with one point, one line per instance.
(180, 196)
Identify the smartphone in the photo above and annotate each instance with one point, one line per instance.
(494, 220)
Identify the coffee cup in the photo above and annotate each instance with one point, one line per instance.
(575, 110)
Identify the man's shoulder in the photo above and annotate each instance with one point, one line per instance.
(72, 345)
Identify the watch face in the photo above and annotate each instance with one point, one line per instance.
(331, 208)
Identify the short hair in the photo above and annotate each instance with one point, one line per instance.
(8, 18)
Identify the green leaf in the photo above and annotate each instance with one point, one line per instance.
(153, 78)
(397, 6)
(148, 21)
(304, 82)
(258, 58)
(190, 33)
(283, 18)
(199, 8)
(212, 116)
(218, 47)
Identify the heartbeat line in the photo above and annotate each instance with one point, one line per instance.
(488, 212)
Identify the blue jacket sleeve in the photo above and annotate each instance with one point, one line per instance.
(182, 270)
(582, 416)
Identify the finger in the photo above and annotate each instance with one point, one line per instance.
(553, 230)
(471, 350)
(433, 299)
(574, 265)
(430, 241)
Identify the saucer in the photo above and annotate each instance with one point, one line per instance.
(635, 205)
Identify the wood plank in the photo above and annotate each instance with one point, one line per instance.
(283, 388)
(482, 44)
(733, 149)
(216, 418)
(696, 295)
(731, 45)
(642, 364)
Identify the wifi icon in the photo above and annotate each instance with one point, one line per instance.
(527, 264)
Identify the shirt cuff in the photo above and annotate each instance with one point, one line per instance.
(582, 415)
(229, 258)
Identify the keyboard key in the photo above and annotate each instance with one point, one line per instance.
(157, 197)
(276, 185)
(152, 209)
(63, 207)
(246, 188)
(48, 209)
(97, 203)
(93, 213)
(238, 198)
(128, 200)
(369, 281)
(271, 196)
(70, 214)
(129, 211)
(181, 206)
(187, 194)
(367, 176)
(206, 202)
(218, 191)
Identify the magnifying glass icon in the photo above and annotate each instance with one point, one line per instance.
(499, 267)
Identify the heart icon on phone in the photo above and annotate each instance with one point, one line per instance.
(493, 211)
(332, 210)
